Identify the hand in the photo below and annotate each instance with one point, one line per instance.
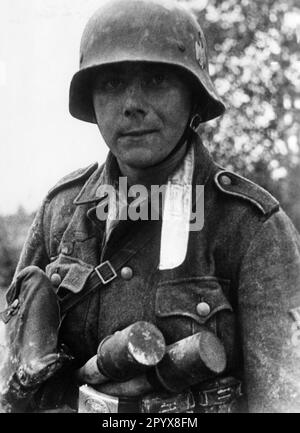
(90, 373)
(132, 388)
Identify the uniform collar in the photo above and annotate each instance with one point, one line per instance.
(104, 175)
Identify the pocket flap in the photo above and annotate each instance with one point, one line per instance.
(73, 272)
(181, 297)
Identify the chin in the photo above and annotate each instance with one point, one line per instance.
(142, 160)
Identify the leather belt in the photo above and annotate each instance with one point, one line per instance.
(218, 396)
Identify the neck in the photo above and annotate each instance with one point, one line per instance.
(157, 174)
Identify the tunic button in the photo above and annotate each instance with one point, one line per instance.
(55, 280)
(126, 273)
(203, 309)
(14, 307)
(225, 180)
(15, 304)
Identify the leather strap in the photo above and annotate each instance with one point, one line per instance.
(106, 271)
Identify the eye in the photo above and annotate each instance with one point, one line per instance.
(111, 83)
(156, 79)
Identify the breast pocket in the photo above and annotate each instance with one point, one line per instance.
(68, 274)
(79, 327)
(185, 306)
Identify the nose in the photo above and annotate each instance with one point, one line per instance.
(135, 103)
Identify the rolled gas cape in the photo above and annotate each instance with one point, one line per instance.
(125, 354)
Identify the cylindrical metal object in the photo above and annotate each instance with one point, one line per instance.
(190, 361)
(131, 351)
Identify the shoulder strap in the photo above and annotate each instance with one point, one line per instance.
(235, 185)
(106, 271)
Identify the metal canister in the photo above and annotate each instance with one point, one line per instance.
(131, 351)
(191, 361)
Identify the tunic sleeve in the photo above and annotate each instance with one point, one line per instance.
(34, 251)
(269, 311)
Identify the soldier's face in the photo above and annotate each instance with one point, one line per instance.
(142, 110)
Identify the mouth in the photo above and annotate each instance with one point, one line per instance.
(138, 133)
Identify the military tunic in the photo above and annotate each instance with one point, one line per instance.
(240, 277)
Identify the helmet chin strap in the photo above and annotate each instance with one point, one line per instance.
(195, 118)
(195, 122)
(191, 127)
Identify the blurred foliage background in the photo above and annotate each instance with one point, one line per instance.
(255, 64)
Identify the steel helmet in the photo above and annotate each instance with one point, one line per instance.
(161, 31)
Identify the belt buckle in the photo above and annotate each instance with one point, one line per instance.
(220, 395)
(93, 401)
(102, 277)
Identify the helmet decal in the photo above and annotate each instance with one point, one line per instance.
(201, 51)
